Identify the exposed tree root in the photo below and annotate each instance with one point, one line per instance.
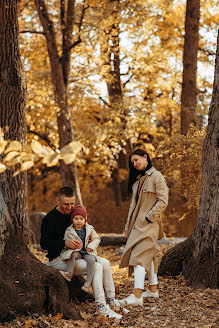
(28, 286)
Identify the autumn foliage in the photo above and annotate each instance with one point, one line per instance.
(147, 39)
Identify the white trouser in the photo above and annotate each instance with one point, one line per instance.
(139, 276)
(103, 285)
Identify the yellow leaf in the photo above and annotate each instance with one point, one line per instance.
(3, 144)
(51, 160)
(16, 173)
(69, 152)
(11, 155)
(13, 162)
(3, 168)
(26, 165)
(14, 146)
(37, 147)
(73, 146)
(26, 157)
(68, 158)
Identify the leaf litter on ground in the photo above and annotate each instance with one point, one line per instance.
(179, 306)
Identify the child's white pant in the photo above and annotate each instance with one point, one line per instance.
(139, 276)
(103, 285)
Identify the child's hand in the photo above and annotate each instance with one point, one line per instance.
(90, 250)
(126, 233)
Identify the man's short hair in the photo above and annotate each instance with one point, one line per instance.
(66, 191)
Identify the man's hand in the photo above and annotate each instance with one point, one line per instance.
(73, 244)
(90, 250)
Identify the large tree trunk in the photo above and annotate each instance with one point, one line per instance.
(26, 285)
(60, 67)
(197, 257)
(188, 96)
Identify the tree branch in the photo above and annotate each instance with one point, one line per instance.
(124, 84)
(82, 16)
(75, 43)
(48, 29)
(42, 136)
(52, 48)
(32, 32)
(105, 102)
(207, 52)
(79, 26)
(62, 14)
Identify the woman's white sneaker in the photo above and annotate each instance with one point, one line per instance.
(148, 293)
(107, 312)
(132, 300)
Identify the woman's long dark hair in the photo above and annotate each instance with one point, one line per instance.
(133, 172)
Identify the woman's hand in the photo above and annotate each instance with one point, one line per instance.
(90, 250)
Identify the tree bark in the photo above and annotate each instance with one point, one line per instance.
(26, 285)
(60, 67)
(197, 257)
(188, 96)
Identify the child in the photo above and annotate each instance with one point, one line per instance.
(85, 233)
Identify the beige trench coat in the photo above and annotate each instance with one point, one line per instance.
(142, 239)
(92, 241)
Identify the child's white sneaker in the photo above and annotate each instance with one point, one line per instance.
(148, 293)
(132, 300)
(107, 312)
(116, 306)
(66, 275)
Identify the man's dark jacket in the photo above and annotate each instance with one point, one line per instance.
(53, 229)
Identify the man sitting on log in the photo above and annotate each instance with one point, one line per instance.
(53, 228)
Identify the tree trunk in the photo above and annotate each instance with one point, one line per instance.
(60, 67)
(188, 96)
(110, 54)
(26, 285)
(197, 257)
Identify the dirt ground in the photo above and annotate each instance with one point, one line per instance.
(178, 305)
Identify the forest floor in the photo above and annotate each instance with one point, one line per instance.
(178, 305)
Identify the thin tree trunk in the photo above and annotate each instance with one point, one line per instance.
(110, 54)
(197, 257)
(189, 94)
(60, 67)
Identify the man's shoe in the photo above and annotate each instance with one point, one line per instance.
(86, 287)
(148, 293)
(107, 312)
(66, 275)
(132, 300)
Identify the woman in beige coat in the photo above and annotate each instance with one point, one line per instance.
(143, 227)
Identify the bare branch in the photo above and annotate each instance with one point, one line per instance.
(82, 16)
(207, 52)
(79, 26)
(32, 32)
(105, 102)
(48, 28)
(75, 43)
(43, 137)
(124, 84)
(62, 13)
